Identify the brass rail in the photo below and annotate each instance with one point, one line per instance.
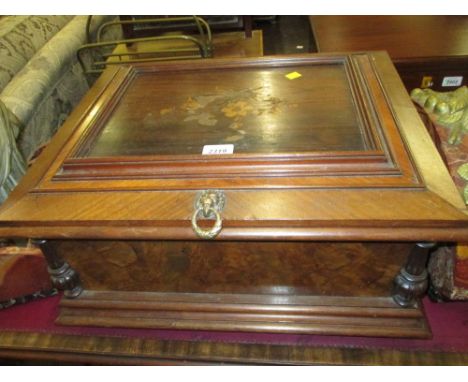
(201, 43)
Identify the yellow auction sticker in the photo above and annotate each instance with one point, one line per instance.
(293, 75)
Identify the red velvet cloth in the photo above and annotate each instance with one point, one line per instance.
(455, 156)
(448, 321)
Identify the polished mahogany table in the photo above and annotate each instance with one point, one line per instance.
(280, 194)
(428, 51)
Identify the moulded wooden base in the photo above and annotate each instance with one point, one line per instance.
(356, 316)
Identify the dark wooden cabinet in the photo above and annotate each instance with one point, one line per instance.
(428, 51)
(315, 215)
(217, 23)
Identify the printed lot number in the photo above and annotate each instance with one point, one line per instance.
(452, 81)
(218, 149)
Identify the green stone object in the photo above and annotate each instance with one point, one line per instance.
(463, 172)
(448, 109)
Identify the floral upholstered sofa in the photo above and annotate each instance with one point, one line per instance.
(40, 84)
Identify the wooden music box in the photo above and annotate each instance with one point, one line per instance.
(295, 194)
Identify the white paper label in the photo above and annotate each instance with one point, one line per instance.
(452, 81)
(218, 149)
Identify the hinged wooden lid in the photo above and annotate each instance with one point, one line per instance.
(322, 147)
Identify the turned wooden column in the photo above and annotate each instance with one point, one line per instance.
(63, 276)
(412, 281)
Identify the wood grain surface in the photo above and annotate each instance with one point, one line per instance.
(297, 268)
(424, 49)
(356, 165)
(274, 313)
(246, 107)
(401, 36)
(401, 191)
(101, 350)
(322, 288)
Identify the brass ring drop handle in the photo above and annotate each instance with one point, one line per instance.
(209, 233)
(208, 205)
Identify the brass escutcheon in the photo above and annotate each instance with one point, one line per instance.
(209, 204)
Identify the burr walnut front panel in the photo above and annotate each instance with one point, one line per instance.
(296, 268)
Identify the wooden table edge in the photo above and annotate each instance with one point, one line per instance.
(65, 348)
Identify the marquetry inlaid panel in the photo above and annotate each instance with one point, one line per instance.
(291, 122)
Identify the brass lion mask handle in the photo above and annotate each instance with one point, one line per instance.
(209, 204)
